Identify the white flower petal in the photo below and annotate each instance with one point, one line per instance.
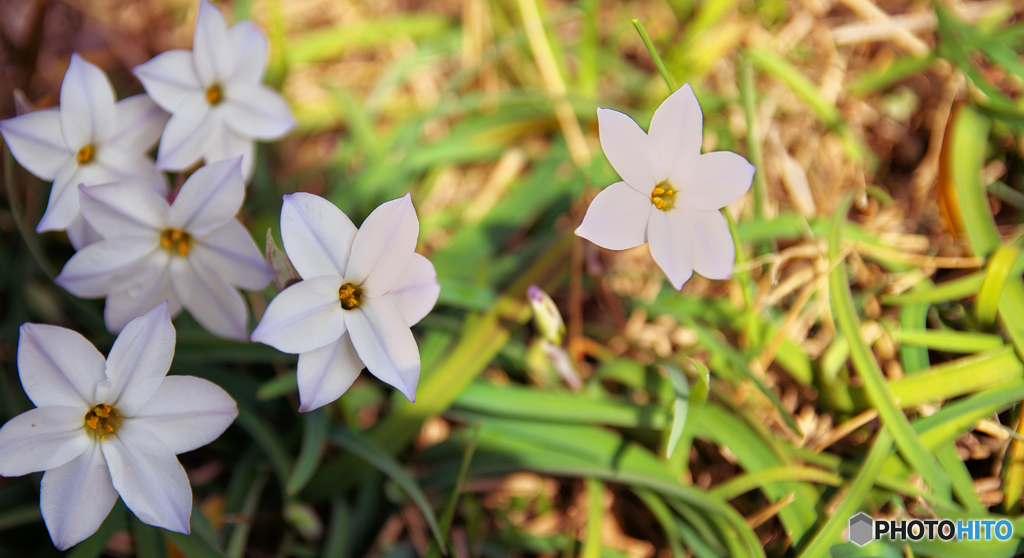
(136, 166)
(226, 144)
(62, 207)
(617, 218)
(123, 208)
(121, 307)
(209, 198)
(36, 141)
(668, 235)
(385, 344)
(677, 129)
(326, 373)
(628, 150)
(231, 251)
(111, 265)
(87, 113)
(249, 45)
(211, 50)
(191, 129)
(138, 362)
(256, 111)
(81, 234)
(42, 439)
(215, 304)
(303, 317)
(148, 477)
(713, 250)
(186, 413)
(58, 367)
(416, 292)
(317, 235)
(76, 497)
(712, 180)
(168, 78)
(383, 246)
(140, 122)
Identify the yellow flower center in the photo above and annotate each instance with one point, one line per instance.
(214, 94)
(102, 421)
(176, 241)
(85, 154)
(663, 196)
(350, 295)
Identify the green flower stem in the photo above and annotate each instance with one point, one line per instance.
(654, 54)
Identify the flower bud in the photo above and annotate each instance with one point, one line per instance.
(546, 316)
(284, 273)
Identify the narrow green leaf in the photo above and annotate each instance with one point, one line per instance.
(951, 341)
(875, 80)
(239, 539)
(961, 415)
(588, 451)
(663, 514)
(19, 515)
(746, 482)
(858, 493)
(369, 451)
(267, 440)
(147, 540)
(963, 483)
(969, 137)
(679, 407)
(946, 291)
(192, 546)
(314, 443)
(278, 387)
(448, 515)
(654, 54)
(957, 377)
(997, 271)
(338, 530)
(755, 149)
(757, 450)
(330, 42)
(484, 397)
(914, 357)
(800, 84)
(875, 385)
(680, 404)
(695, 401)
(694, 543)
(595, 517)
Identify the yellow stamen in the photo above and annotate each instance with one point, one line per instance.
(663, 196)
(102, 421)
(176, 241)
(350, 296)
(85, 154)
(214, 94)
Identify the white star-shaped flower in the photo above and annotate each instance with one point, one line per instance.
(671, 194)
(103, 428)
(362, 290)
(215, 95)
(191, 253)
(89, 140)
